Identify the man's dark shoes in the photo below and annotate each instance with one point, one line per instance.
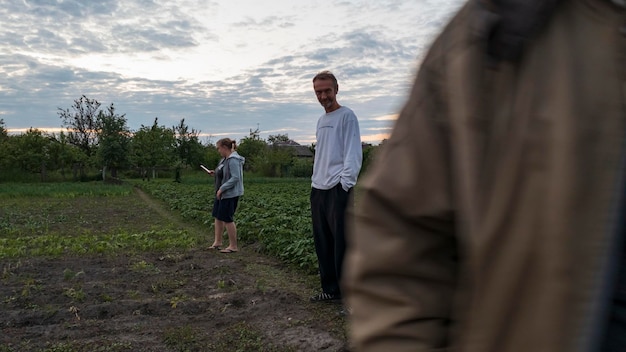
(325, 297)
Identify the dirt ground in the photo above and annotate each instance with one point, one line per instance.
(195, 300)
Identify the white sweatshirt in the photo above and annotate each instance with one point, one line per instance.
(338, 153)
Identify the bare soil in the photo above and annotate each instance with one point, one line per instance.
(193, 300)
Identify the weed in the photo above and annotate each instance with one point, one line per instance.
(175, 300)
(9, 269)
(68, 274)
(104, 297)
(261, 285)
(183, 338)
(49, 311)
(143, 266)
(222, 270)
(32, 306)
(59, 347)
(29, 284)
(243, 337)
(23, 346)
(74, 294)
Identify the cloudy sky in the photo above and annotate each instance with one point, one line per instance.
(225, 66)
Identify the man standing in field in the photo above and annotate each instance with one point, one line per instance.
(338, 157)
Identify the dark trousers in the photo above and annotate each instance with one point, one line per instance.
(328, 209)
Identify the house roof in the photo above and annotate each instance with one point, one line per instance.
(299, 150)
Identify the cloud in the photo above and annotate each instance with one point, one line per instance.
(224, 66)
(390, 117)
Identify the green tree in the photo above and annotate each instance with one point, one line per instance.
(369, 156)
(63, 154)
(275, 162)
(253, 150)
(212, 156)
(4, 133)
(152, 147)
(278, 139)
(189, 150)
(113, 141)
(30, 152)
(301, 167)
(4, 138)
(81, 124)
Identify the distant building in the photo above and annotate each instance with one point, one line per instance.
(300, 151)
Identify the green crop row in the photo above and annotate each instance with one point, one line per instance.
(61, 189)
(56, 245)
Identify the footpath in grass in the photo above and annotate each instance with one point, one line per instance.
(91, 267)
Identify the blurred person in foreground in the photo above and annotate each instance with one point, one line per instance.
(228, 189)
(500, 228)
(338, 157)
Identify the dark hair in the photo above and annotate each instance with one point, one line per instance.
(326, 75)
(228, 143)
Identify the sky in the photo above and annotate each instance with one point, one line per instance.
(227, 67)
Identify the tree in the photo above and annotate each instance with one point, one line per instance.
(278, 139)
(153, 147)
(81, 124)
(253, 150)
(113, 141)
(63, 154)
(30, 152)
(4, 138)
(4, 134)
(212, 156)
(275, 162)
(189, 150)
(369, 155)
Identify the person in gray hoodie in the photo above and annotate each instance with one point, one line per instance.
(228, 189)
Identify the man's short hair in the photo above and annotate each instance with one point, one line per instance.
(325, 75)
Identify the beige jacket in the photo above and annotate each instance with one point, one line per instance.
(496, 235)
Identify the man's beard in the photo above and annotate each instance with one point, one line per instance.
(327, 103)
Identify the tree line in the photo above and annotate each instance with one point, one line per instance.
(97, 144)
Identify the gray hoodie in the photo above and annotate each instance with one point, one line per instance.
(232, 171)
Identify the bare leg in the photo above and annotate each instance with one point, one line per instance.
(219, 231)
(232, 236)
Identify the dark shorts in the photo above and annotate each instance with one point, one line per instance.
(224, 209)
